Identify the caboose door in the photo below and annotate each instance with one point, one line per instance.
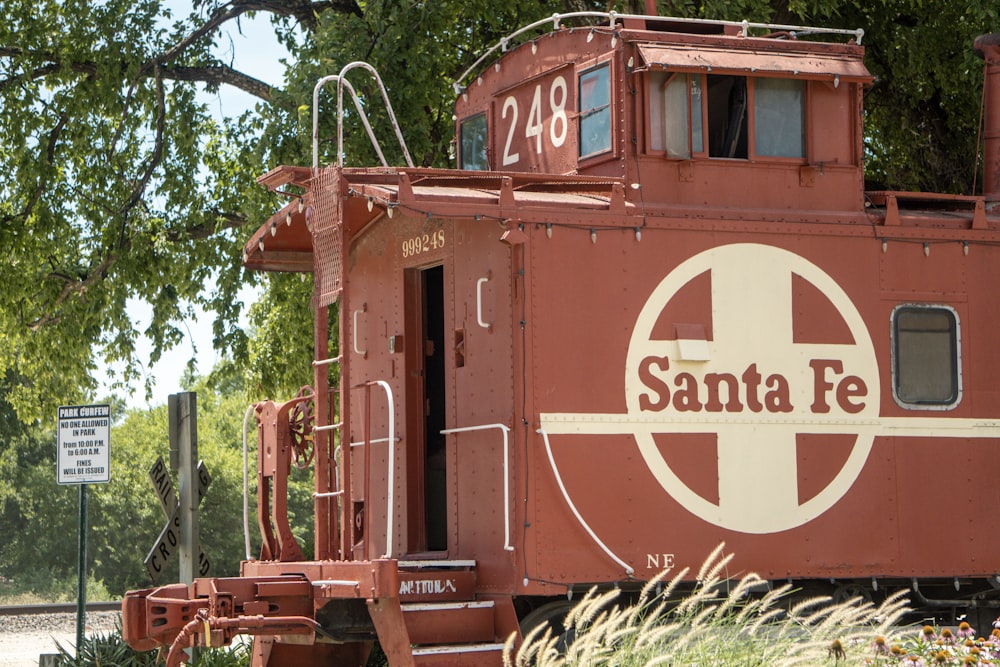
(426, 393)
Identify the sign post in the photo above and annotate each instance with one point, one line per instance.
(180, 534)
(83, 456)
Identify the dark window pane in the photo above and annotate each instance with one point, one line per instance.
(926, 349)
(472, 132)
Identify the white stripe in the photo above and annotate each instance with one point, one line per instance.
(624, 424)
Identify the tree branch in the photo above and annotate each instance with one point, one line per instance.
(229, 220)
(154, 160)
(220, 74)
(50, 156)
(73, 287)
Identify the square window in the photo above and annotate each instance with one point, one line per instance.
(925, 361)
(779, 118)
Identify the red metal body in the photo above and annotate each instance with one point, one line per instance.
(665, 315)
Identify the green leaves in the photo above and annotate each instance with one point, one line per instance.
(120, 186)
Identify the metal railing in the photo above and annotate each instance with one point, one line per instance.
(341, 84)
(391, 473)
(506, 471)
(612, 19)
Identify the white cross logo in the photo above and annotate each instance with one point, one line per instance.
(752, 325)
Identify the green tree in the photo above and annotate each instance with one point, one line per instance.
(120, 185)
(124, 516)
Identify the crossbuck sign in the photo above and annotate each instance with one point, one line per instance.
(168, 542)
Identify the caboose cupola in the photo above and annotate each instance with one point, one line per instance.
(698, 113)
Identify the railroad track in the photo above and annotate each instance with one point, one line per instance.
(56, 608)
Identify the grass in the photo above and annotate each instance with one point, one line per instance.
(718, 623)
(107, 650)
(42, 587)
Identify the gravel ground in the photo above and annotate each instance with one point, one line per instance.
(24, 638)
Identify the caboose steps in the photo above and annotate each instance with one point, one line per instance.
(449, 622)
(446, 623)
(463, 655)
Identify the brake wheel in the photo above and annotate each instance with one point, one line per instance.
(300, 427)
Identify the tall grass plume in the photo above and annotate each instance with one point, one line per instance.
(719, 622)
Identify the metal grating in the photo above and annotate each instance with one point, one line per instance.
(327, 231)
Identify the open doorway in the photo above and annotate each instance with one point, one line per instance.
(426, 408)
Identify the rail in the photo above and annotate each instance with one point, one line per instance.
(57, 608)
(583, 523)
(246, 482)
(479, 301)
(391, 481)
(342, 83)
(613, 17)
(506, 471)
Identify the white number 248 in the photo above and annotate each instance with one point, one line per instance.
(558, 125)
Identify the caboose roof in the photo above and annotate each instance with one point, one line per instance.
(284, 242)
(700, 58)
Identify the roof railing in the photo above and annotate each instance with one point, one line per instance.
(342, 83)
(612, 19)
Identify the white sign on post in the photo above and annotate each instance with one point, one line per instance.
(84, 448)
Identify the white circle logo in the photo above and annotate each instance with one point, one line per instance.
(752, 386)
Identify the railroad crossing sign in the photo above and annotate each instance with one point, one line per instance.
(168, 542)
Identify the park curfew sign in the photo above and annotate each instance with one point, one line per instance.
(84, 444)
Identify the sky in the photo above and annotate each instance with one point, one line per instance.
(249, 46)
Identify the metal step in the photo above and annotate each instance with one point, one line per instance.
(459, 655)
(450, 622)
(439, 564)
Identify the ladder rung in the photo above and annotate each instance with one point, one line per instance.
(326, 362)
(329, 427)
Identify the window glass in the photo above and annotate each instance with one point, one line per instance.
(779, 118)
(472, 132)
(676, 116)
(697, 133)
(595, 111)
(925, 362)
(657, 135)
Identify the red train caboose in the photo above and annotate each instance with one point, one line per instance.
(654, 309)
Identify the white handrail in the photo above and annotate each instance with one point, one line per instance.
(613, 17)
(361, 114)
(506, 472)
(328, 427)
(388, 107)
(479, 300)
(354, 329)
(246, 482)
(555, 470)
(390, 511)
(361, 443)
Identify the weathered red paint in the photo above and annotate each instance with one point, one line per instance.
(575, 370)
